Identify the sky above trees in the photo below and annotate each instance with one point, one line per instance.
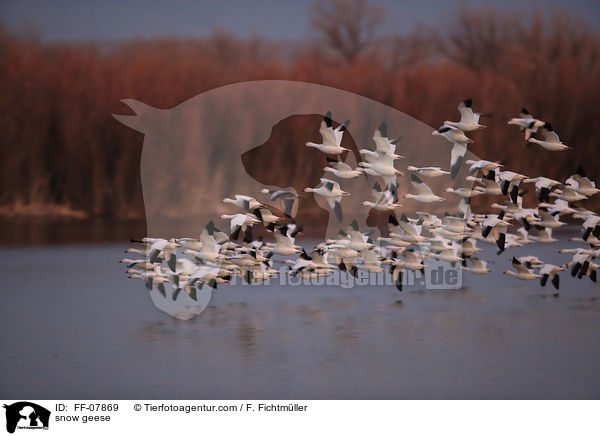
(272, 19)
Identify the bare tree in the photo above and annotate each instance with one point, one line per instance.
(347, 26)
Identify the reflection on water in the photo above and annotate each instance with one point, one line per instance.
(73, 326)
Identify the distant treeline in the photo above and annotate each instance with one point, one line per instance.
(63, 153)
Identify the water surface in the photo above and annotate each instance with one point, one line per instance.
(73, 326)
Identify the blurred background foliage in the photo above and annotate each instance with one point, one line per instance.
(64, 155)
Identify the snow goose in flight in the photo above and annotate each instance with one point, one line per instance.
(411, 262)
(526, 123)
(455, 224)
(523, 273)
(494, 227)
(529, 217)
(424, 192)
(449, 255)
(580, 262)
(459, 149)
(305, 264)
(332, 138)
(207, 275)
(332, 192)
(428, 171)
(522, 236)
(371, 263)
(152, 278)
(543, 186)
(286, 197)
(478, 266)
(489, 182)
(166, 248)
(549, 271)
(210, 250)
(383, 145)
(267, 218)
(568, 194)
(143, 264)
(469, 247)
(342, 253)
(382, 166)
(384, 201)
(239, 222)
(429, 220)
(551, 140)
(530, 261)
(411, 230)
(244, 202)
(591, 226)
(484, 166)
(509, 183)
(142, 251)
(469, 120)
(559, 207)
(284, 243)
(437, 244)
(358, 241)
(548, 220)
(343, 170)
(544, 235)
(582, 184)
(464, 192)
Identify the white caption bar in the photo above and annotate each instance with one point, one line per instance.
(299, 417)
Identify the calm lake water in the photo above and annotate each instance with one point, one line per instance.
(73, 326)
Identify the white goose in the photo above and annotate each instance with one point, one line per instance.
(452, 134)
(551, 140)
(478, 266)
(383, 145)
(239, 222)
(166, 248)
(383, 166)
(482, 165)
(509, 183)
(568, 194)
(332, 192)
(494, 226)
(286, 197)
(284, 244)
(591, 226)
(425, 194)
(490, 185)
(523, 273)
(428, 171)
(244, 202)
(332, 138)
(526, 123)
(582, 184)
(547, 220)
(459, 149)
(544, 236)
(559, 207)
(384, 201)
(343, 170)
(464, 192)
(549, 271)
(543, 186)
(469, 120)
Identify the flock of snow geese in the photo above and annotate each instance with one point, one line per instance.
(217, 256)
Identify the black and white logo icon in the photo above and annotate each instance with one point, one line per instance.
(26, 415)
